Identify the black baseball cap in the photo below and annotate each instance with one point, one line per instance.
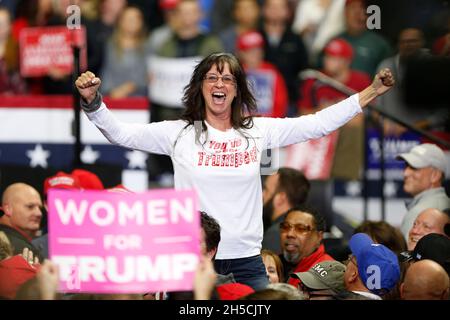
(435, 247)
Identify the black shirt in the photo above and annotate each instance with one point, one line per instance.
(19, 241)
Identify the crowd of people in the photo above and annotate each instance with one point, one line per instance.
(274, 39)
(377, 263)
(257, 242)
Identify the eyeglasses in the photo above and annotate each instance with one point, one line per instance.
(213, 78)
(351, 258)
(299, 228)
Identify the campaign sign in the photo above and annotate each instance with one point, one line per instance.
(262, 83)
(107, 242)
(313, 157)
(393, 146)
(46, 48)
(168, 77)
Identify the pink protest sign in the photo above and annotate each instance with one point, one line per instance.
(106, 242)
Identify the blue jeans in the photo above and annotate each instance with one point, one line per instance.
(250, 271)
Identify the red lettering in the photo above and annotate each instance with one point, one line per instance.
(246, 157)
(208, 157)
(224, 147)
(253, 154)
(226, 160)
(200, 158)
(238, 159)
(215, 160)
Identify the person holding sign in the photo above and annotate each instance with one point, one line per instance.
(216, 148)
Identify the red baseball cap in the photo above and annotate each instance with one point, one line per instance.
(233, 291)
(88, 180)
(14, 271)
(339, 48)
(168, 4)
(250, 40)
(61, 180)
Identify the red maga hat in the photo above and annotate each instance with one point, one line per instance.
(250, 40)
(233, 291)
(88, 180)
(62, 180)
(168, 4)
(339, 48)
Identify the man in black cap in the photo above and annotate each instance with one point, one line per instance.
(434, 247)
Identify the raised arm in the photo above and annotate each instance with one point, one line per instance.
(283, 132)
(87, 85)
(155, 137)
(382, 82)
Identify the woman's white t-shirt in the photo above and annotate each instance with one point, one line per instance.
(225, 169)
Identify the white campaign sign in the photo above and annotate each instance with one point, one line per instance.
(168, 77)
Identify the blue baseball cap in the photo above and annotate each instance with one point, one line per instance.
(378, 266)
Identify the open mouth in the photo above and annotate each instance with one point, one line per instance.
(414, 239)
(218, 97)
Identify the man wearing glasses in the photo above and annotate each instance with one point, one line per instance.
(301, 235)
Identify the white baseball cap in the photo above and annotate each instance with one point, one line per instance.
(425, 155)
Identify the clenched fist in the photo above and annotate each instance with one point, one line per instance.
(87, 85)
(383, 81)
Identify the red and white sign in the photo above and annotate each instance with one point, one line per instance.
(314, 157)
(46, 48)
(107, 242)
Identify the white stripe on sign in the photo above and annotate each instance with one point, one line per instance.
(173, 239)
(82, 241)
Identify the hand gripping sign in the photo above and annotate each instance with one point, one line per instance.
(124, 243)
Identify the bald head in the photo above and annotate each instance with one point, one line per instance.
(425, 280)
(22, 208)
(428, 221)
(17, 190)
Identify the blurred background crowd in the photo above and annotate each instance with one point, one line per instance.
(277, 42)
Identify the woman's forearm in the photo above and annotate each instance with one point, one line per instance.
(367, 95)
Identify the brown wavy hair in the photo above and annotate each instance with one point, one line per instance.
(243, 105)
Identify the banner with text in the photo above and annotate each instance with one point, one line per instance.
(313, 157)
(124, 243)
(45, 48)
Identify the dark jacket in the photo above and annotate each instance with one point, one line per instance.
(19, 241)
(290, 57)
